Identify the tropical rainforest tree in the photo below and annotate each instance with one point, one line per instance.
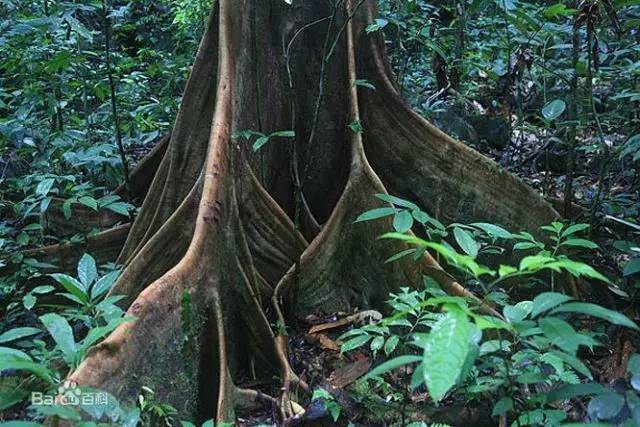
(232, 243)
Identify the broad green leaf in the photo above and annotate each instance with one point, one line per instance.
(596, 311)
(62, 334)
(260, 142)
(631, 267)
(582, 243)
(546, 301)
(577, 269)
(403, 221)
(354, 343)
(558, 9)
(518, 312)
(553, 109)
(466, 241)
(44, 186)
(502, 406)
(574, 229)
(87, 271)
(66, 412)
(29, 301)
(391, 344)
(376, 344)
(98, 333)
(375, 214)
(534, 262)
(121, 208)
(568, 391)
(399, 255)
(605, 406)
(397, 201)
(445, 353)
(89, 202)
(72, 286)
(392, 364)
(633, 367)
(560, 333)
(17, 333)
(15, 359)
(493, 230)
(104, 284)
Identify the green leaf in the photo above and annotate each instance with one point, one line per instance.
(87, 271)
(89, 202)
(15, 359)
(260, 142)
(284, 134)
(493, 230)
(534, 262)
(605, 406)
(354, 343)
(502, 406)
(631, 267)
(560, 333)
(397, 201)
(399, 255)
(377, 344)
(72, 286)
(441, 369)
(392, 364)
(364, 83)
(582, 243)
(29, 301)
(44, 187)
(596, 311)
(466, 241)
(553, 109)
(558, 9)
(403, 221)
(98, 333)
(104, 284)
(518, 312)
(568, 391)
(66, 208)
(62, 334)
(60, 411)
(574, 229)
(121, 208)
(356, 126)
(546, 301)
(17, 333)
(391, 344)
(633, 367)
(375, 214)
(377, 25)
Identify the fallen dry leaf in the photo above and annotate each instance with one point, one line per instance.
(346, 375)
(330, 325)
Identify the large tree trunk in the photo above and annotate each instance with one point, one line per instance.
(217, 225)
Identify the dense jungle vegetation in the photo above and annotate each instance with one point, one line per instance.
(226, 213)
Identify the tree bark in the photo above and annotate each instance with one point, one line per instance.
(211, 233)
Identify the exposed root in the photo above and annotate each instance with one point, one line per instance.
(103, 246)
